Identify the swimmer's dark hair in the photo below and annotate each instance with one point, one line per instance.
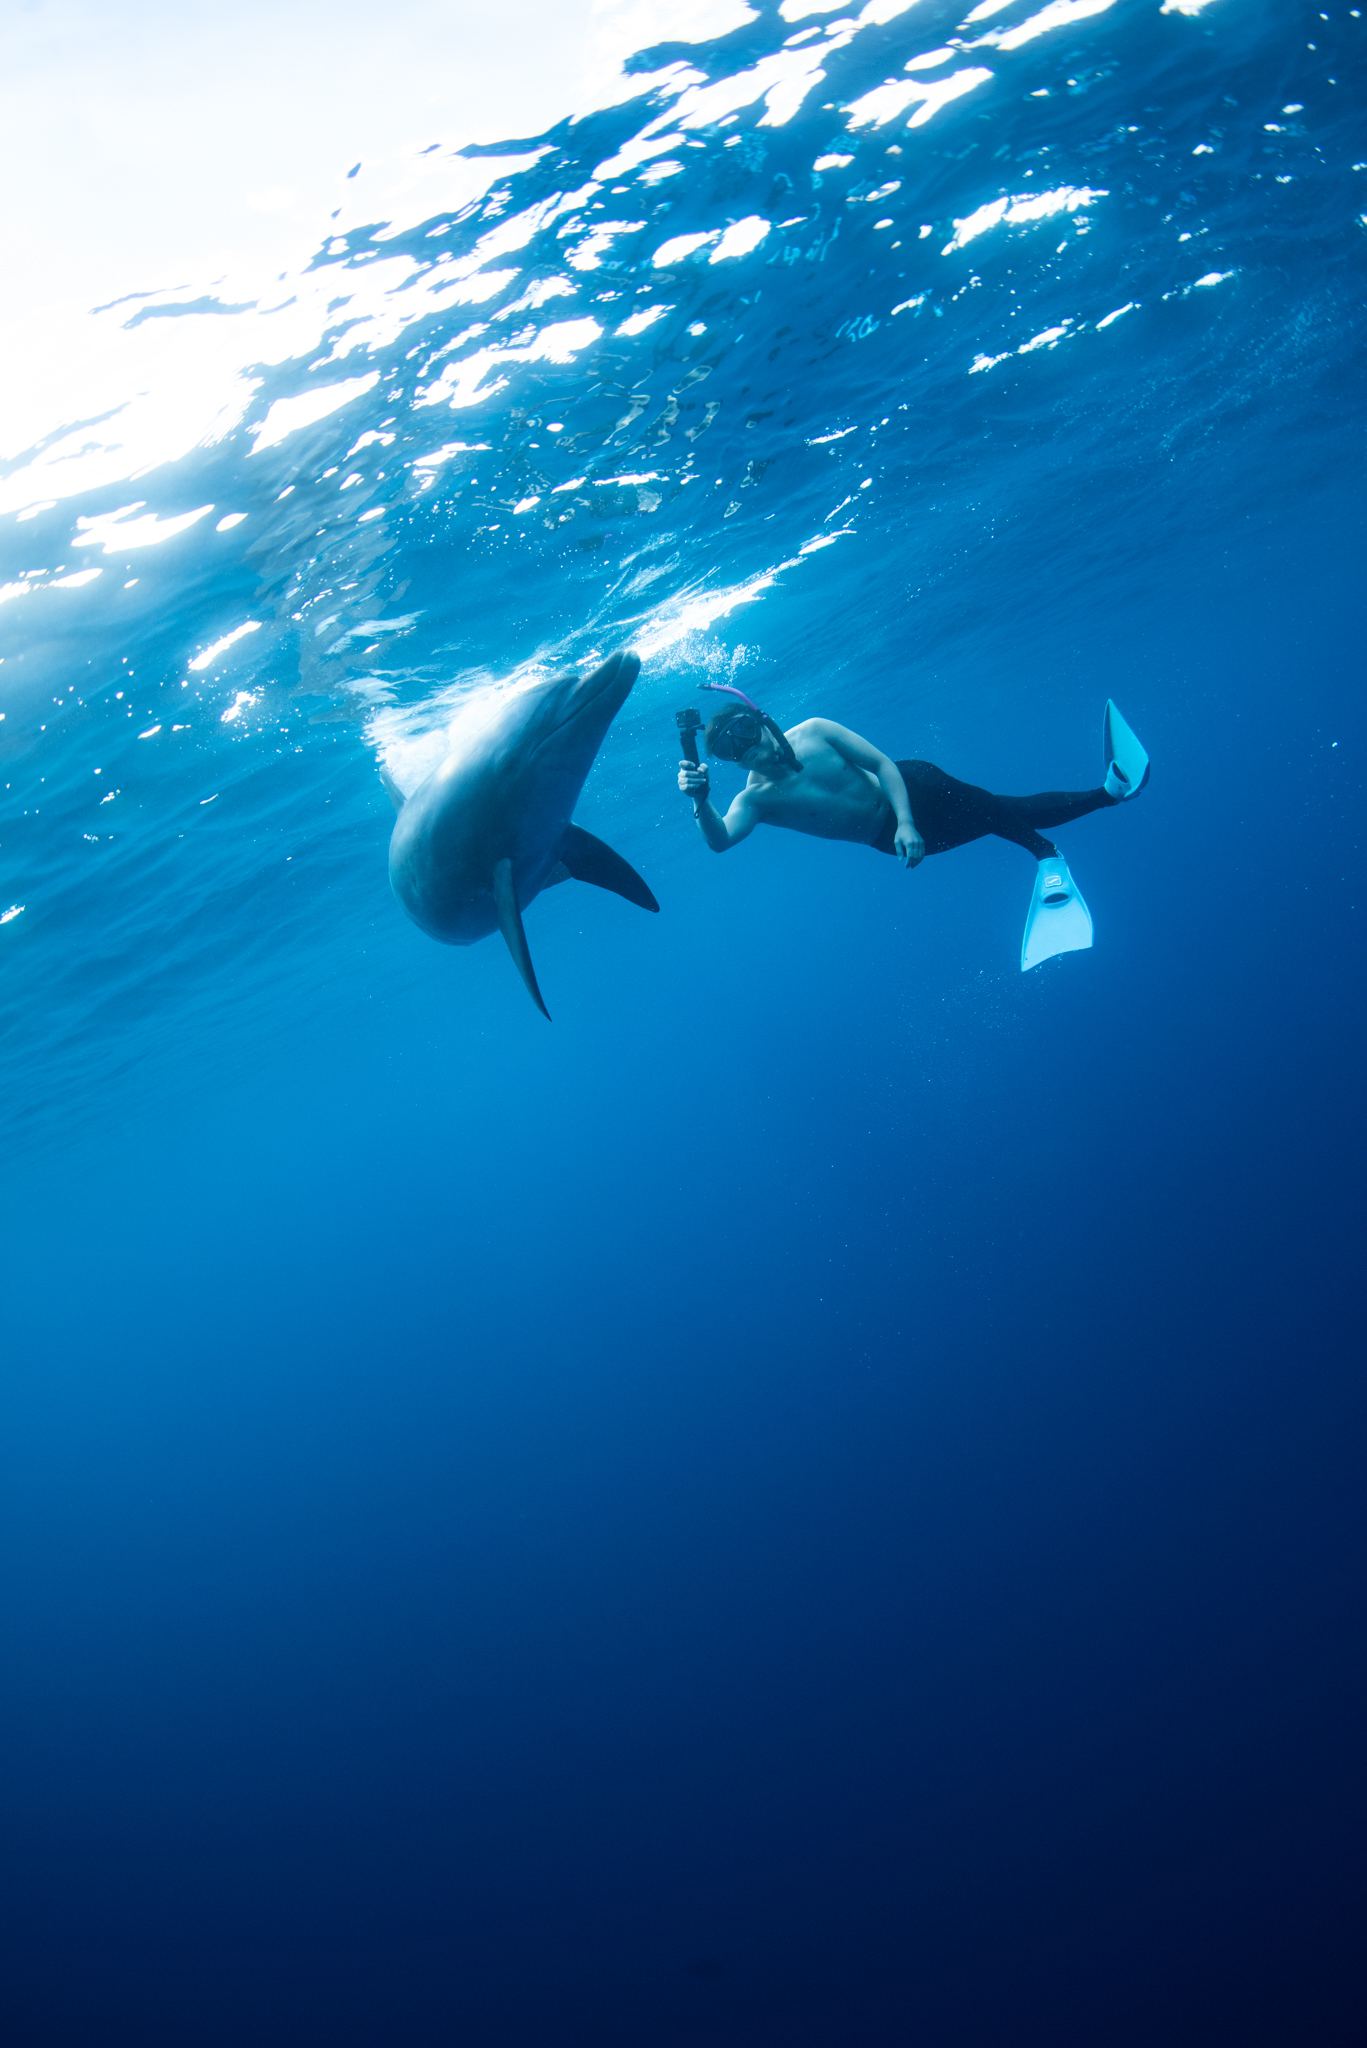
(718, 724)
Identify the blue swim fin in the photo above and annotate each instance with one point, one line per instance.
(1127, 765)
(1058, 920)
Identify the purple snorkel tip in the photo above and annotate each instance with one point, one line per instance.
(732, 691)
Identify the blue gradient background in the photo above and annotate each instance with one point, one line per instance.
(817, 1500)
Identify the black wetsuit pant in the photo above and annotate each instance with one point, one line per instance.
(950, 813)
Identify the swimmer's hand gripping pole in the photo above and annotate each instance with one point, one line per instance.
(689, 723)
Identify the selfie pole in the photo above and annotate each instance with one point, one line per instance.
(689, 723)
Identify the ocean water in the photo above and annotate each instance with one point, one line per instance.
(817, 1498)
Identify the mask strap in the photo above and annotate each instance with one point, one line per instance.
(781, 736)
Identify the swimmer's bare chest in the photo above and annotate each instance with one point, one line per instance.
(831, 798)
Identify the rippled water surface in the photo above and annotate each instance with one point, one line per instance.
(848, 348)
(815, 1500)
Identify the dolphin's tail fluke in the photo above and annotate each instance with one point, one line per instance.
(510, 923)
(591, 860)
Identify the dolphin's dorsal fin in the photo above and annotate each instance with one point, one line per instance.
(510, 923)
(391, 787)
(590, 860)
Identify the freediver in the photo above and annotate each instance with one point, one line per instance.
(823, 779)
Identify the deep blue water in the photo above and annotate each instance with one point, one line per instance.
(816, 1499)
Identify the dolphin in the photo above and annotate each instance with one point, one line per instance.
(490, 828)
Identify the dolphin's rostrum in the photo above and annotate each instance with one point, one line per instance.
(490, 828)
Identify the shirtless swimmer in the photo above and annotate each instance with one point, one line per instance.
(823, 779)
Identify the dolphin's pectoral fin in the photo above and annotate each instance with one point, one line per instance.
(510, 922)
(589, 860)
(391, 787)
(559, 873)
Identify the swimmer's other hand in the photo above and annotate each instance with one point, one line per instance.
(909, 846)
(693, 782)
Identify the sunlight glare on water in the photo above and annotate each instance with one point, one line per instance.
(814, 1500)
(726, 319)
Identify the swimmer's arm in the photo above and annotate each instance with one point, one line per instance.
(860, 754)
(721, 833)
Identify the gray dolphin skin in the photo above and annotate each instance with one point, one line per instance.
(490, 828)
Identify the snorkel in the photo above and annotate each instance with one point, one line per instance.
(768, 723)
